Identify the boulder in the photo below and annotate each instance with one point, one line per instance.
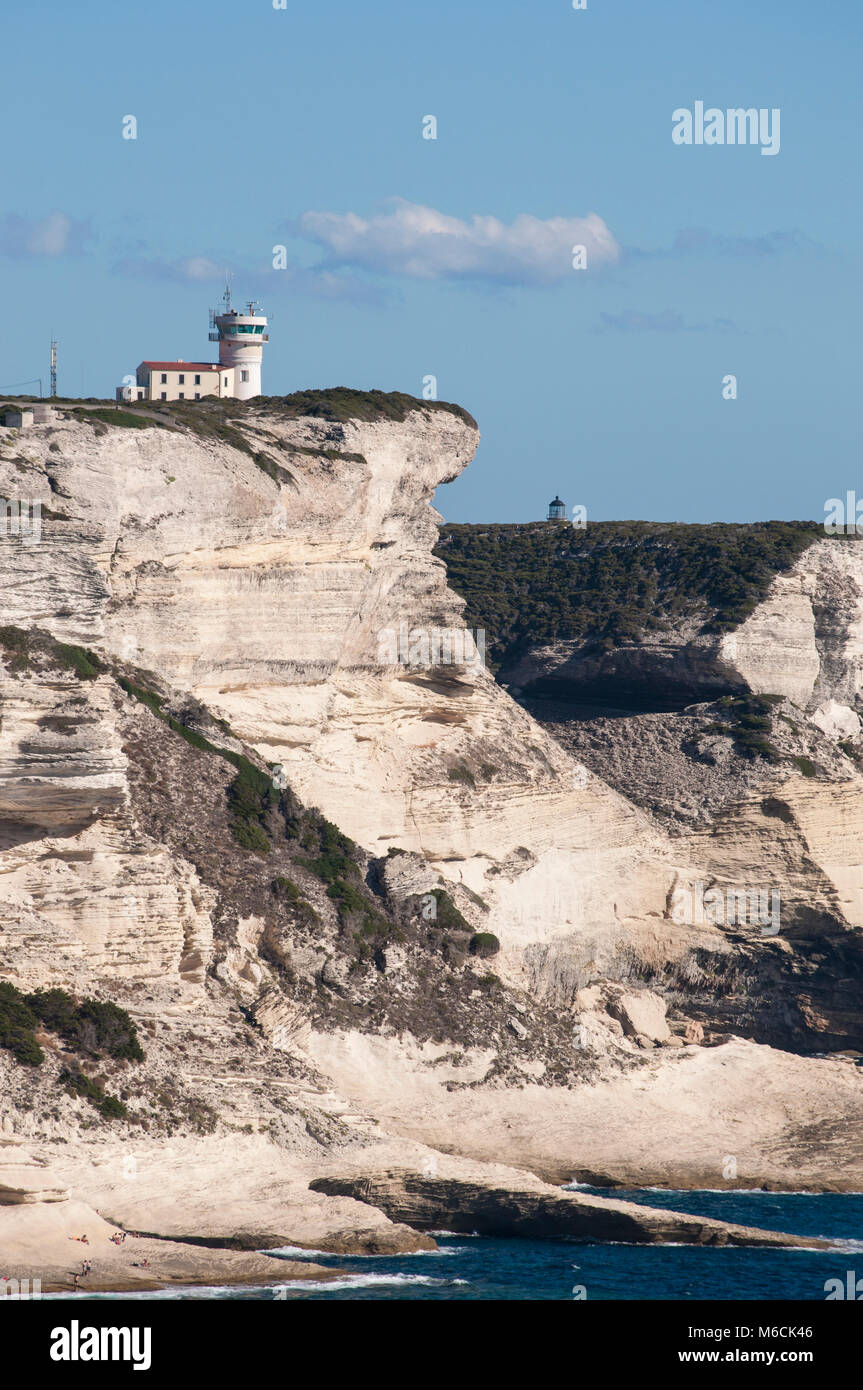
(641, 1014)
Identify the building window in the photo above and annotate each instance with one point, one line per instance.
(244, 376)
(198, 379)
(164, 395)
(181, 396)
(140, 395)
(164, 378)
(226, 381)
(197, 395)
(182, 379)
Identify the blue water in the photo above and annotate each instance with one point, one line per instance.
(475, 1268)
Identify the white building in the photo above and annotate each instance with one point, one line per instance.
(237, 373)
(178, 381)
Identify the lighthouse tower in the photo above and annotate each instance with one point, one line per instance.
(241, 339)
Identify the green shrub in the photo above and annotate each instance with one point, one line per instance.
(806, 766)
(88, 1025)
(447, 916)
(17, 1025)
(77, 1084)
(749, 722)
(343, 403)
(123, 419)
(15, 642)
(484, 944)
(20, 647)
(251, 796)
(337, 858)
(461, 773)
(285, 889)
(91, 1026)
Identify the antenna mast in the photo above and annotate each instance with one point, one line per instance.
(53, 367)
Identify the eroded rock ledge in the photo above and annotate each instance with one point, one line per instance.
(541, 1212)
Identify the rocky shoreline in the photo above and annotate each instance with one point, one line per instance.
(248, 1236)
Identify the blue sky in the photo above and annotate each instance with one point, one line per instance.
(302, 127)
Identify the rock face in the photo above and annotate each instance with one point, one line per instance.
(83, 892)
(267, 600)
(260, 576)
(25, 1179)
(541, 1213)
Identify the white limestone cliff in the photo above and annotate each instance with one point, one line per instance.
(178, 553)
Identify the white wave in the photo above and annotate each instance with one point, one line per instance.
(178, 1291)
(299, 1252)
(363, 1281)
(296, 1252)
(620, 1192)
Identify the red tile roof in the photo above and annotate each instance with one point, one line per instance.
(185, 366)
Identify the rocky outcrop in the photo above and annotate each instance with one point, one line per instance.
(641, 1015)
(541, 1213)
(25, 1178)
(83, 894)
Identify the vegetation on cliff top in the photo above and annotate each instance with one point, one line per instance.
(343, 403)
(614, 582)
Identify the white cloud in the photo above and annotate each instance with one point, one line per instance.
(315, 282)
(190, 268)
(669, 321)
(425, 244)
(54, 235)
(200, 268)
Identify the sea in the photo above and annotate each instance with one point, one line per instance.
(476, 1268)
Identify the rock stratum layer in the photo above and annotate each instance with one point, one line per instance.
(239, 583)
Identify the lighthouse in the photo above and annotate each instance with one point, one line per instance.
(241, 339)
(237, 373)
